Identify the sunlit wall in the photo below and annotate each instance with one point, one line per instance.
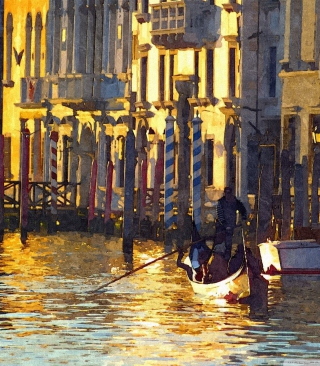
(20, 19)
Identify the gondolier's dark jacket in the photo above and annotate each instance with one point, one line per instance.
(226, 211)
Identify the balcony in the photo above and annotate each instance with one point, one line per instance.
(182, 24)
(89, 87)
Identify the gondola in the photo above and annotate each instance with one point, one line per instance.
(236, 284)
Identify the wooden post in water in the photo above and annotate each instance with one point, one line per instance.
(185, 90)
(130, 158)
(24, 195)
(107, 210)
(315, 187)
(266, 186)
(298, 197)
(92, 193)
(285, 194)
(1, 187)
(305, 199)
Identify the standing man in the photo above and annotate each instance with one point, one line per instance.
(227, 209)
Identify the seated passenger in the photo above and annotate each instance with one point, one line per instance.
(184, 266)
(218, 266)
(191, 273)
(199, 251)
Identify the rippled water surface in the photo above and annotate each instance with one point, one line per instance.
(49, 317)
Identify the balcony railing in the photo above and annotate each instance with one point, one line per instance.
(71, 86)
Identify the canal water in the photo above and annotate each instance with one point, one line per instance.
(49, 316)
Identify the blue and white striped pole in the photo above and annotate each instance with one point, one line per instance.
(169, 166)
(196, 172)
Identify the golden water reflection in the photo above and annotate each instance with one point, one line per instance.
(149, 318)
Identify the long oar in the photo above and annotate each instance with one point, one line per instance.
(246, 260)
(143, 266)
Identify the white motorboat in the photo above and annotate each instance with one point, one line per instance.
(291, 257)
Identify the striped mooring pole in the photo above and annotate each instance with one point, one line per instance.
(196, 172)
(54, 186)
(169, 166)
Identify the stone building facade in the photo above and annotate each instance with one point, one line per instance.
(92, 70)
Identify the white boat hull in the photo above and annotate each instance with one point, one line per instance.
(296, 256)
(237, 283)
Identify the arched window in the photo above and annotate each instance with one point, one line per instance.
(82, 26)
(37, 58)
(56, 36)
(113, 6)
(91, 36)
(28, 45)
(49, 40)
(70, 35)
(126, 36)
(9, 30)
(98, 38)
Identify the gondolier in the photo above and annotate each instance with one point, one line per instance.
(227, 209)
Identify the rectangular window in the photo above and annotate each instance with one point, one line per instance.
(210, 66)
(135, 43)
(232, 72)
(119, 33)
(145, 6)
(161, 77)
(272, 71)
(171, 76)
(210, 156)
(143, 78)
(135, 5)
(196, 73)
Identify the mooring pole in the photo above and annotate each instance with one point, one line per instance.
(92, 194)
(24, 196)
(130, 158)
(1, 187)
(196, 171)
